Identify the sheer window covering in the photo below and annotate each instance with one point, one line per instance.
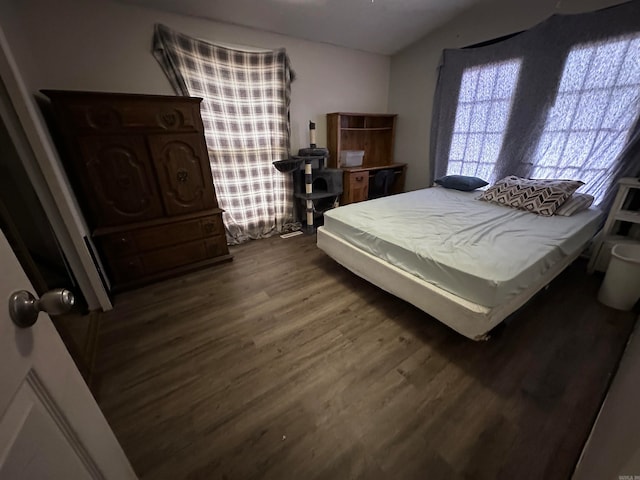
(574, 90)
(588, 125)
(484, 105)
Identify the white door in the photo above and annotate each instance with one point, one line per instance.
(50, 425)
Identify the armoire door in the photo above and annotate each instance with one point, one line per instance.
(119, 180)
(184, 174)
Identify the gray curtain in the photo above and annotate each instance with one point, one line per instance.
(560, 100)
(245, 111)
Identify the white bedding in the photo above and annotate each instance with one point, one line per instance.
(484, 253)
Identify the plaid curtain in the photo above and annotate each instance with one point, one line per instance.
(245, 111)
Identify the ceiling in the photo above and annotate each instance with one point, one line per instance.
(378, 26)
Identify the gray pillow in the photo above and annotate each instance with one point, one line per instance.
(576, 203)
(461, 182)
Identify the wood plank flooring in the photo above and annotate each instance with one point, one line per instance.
(284, 365)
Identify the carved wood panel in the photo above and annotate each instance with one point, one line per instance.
(120, 179)
(140, 167)
(184, 174)
(112, 114)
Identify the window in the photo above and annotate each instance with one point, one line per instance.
(484, 106)
(559, 100)
(596, 104)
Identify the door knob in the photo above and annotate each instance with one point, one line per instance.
(24, 307)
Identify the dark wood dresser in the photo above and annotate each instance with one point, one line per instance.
(140, 170)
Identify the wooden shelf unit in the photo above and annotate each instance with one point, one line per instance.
(373, 133)
(608, 236)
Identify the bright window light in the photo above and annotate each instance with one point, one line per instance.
(597, 103)
(484, 106)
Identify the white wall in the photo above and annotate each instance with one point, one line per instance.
(414, 70)
(106, 46)
(35, 149)
(613, 448)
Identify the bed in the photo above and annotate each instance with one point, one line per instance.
(466, 262)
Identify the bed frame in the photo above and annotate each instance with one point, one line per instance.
(467, 318)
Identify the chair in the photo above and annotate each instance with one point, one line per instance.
(382, 182)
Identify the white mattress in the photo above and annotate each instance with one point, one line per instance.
(481, 252)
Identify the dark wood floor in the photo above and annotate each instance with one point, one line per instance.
(284, 365)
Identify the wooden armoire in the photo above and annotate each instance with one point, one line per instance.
(139, 167)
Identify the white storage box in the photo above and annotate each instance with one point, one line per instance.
(351, 158)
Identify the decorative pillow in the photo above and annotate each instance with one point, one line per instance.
(577, 203)
(461, 182)
(542, 197)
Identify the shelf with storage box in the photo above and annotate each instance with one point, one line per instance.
(140, 168)
(371, 137)
(623, 213)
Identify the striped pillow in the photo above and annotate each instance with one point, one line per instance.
(542, 197)
(577, 203)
